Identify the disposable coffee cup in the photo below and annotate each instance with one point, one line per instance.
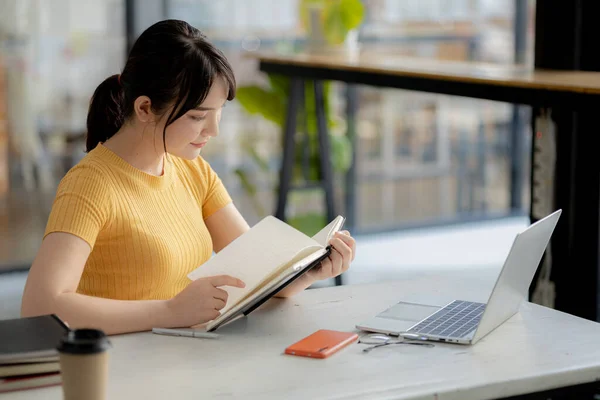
(84, 364)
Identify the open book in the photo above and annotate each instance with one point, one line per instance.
(267, 258)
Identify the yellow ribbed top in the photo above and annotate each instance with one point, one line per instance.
(146, 232)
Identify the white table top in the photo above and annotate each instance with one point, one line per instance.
(537, 349)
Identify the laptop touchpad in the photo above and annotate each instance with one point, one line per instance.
(408, 312)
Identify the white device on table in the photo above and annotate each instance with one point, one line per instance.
(466, 322)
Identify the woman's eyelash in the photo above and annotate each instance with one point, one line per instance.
(196, 118)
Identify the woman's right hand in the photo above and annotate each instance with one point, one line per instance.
(200, 301)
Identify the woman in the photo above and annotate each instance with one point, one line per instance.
(141, 210)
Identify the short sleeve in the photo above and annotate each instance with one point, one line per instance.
(82, 205)
(215, 194)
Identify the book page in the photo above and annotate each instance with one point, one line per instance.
(286, 268)
(286, 274)
(259, 253)
(327, 233)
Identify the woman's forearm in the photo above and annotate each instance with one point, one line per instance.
(296, 287)
(112, 316)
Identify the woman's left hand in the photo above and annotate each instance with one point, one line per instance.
(343, 250)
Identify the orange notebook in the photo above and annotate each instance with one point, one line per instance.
(321, 344)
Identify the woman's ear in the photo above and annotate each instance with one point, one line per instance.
(142, 107)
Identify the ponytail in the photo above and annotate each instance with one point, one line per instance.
(106, 114)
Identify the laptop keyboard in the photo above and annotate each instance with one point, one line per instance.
(455, 320)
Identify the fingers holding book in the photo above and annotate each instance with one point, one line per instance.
(349, 249)
(343, 249)
(348, 240)
(342, 252)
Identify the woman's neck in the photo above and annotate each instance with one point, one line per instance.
(138, 149)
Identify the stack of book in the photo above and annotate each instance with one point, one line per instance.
(28, 356)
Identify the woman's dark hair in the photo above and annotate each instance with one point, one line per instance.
(173, 64)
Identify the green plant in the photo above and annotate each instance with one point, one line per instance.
(338, 17)
(270, 103)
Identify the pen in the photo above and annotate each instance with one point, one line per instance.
(185, 333)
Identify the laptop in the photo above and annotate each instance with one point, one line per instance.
(466, 322)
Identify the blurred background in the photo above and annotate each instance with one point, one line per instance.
(434, 190)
